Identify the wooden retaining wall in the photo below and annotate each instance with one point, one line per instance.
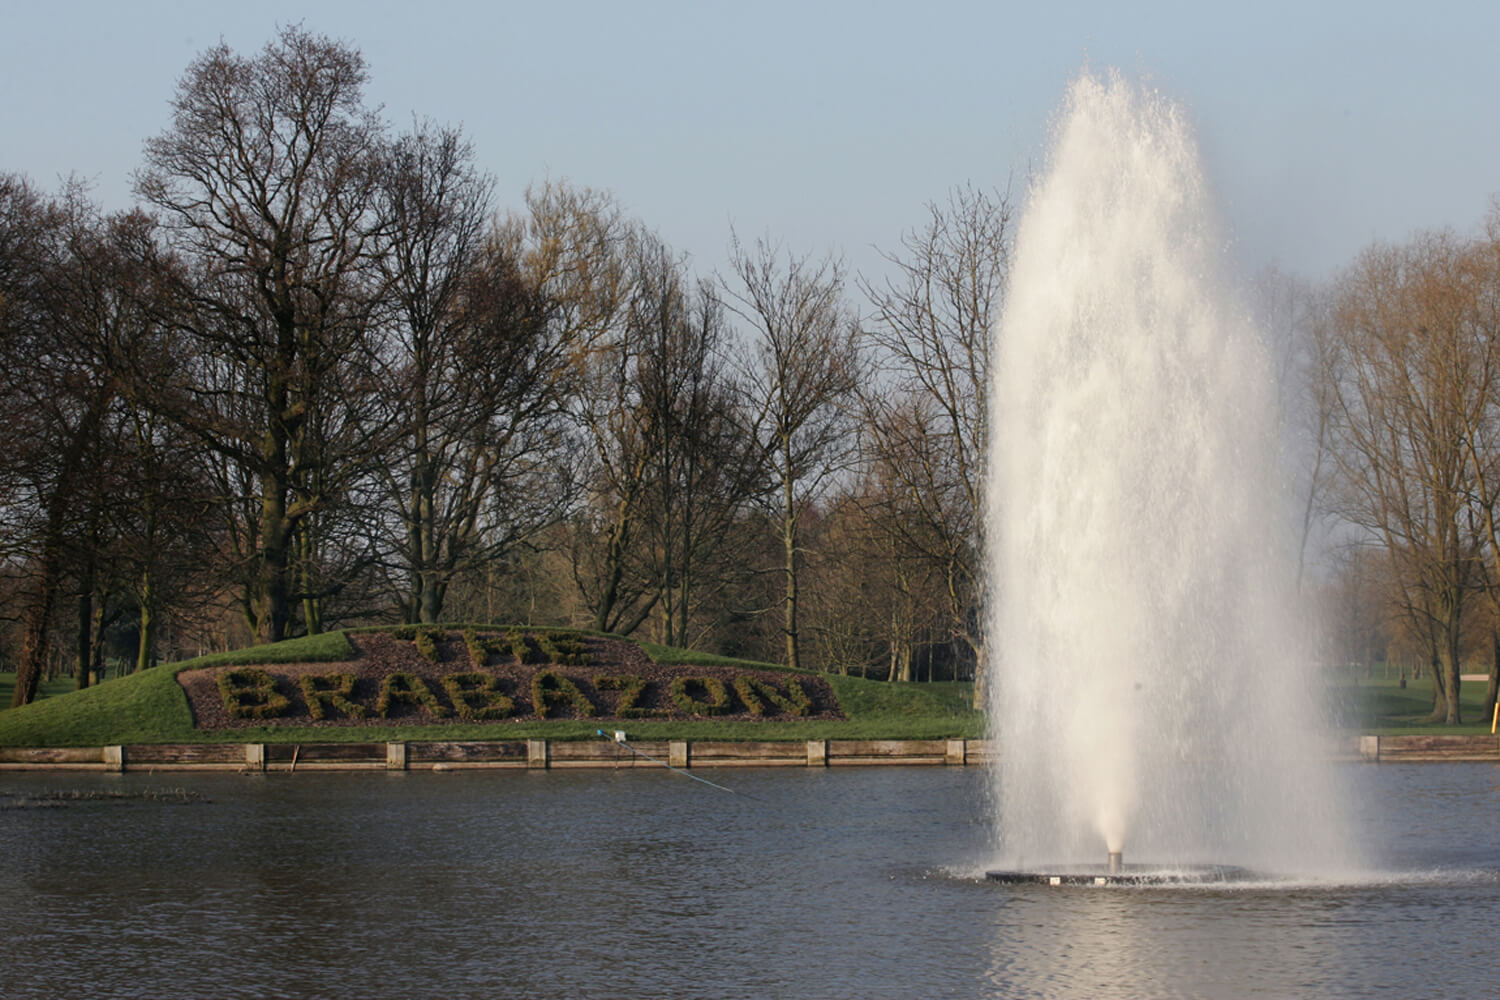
(549, 754)
(1401, 748)
(536, 754)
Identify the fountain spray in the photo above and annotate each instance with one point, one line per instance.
(1147, 666)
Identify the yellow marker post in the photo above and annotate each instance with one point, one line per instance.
(1495, 718)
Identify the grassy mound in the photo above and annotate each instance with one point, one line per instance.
(145, 707)
(151, 707)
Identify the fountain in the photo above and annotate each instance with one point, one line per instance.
(1151, 696)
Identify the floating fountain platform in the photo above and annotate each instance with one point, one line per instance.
(1120, 874)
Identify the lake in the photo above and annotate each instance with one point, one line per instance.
(845, 882)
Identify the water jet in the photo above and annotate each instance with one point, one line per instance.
(1149, 673)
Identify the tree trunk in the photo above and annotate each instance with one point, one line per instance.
(614, 568)
(981, 676)
(39, 612)
(789, 543)
(273, 604)
(312, 601)
(274, 610)
(430, 588)
(619, 609)
(1445, 681)
(684, 598)
(1454, 715)
(148, 626)
(85, 634)
(901, 657)
(97, 664)
(1493, 687)
(1453, 665)
(1439, 695)
(432, 600)
(34, 645)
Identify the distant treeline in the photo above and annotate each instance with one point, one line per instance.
(317, 379)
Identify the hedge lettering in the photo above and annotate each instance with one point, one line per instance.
(755, 693)
(632, 689)
(551, 690)
(325, 691)
(701, 695)
(250, 693)
(478, 696)
(407, 689)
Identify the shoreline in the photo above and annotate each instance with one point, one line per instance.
(432, 755)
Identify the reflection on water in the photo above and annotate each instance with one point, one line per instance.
(857, 883)
(1269, 941)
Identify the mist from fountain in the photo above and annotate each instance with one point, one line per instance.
(1151, 689)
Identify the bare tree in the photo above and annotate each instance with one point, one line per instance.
(265, 185)
(28, 225)
(71, 331)
(923, 554)
(801, 375)
(436, 206)
(1475, 281)
(581, 255)
(163, 523)
(704, 466)
(58, 391)
(876, 603)
(842, 614)
(670, 463)
(1410, 391)
(925, 421)
(477, 376)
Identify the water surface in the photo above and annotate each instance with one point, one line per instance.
(860, 882)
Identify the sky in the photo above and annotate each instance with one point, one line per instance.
(828, 127)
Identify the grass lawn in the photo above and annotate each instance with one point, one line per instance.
(1382, 707)
(150, 707)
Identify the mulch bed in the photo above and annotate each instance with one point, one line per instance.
(378, 655)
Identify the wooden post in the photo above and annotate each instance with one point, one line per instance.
(395, 756)
(1369, 748)
(536, 753)
(114, 758)
(677, 754)
(255, 756)
(955, 753)
(817, 753)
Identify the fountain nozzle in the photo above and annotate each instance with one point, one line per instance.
(1116, 862)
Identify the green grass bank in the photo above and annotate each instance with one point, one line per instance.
(150, 707)
(1380, 706)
